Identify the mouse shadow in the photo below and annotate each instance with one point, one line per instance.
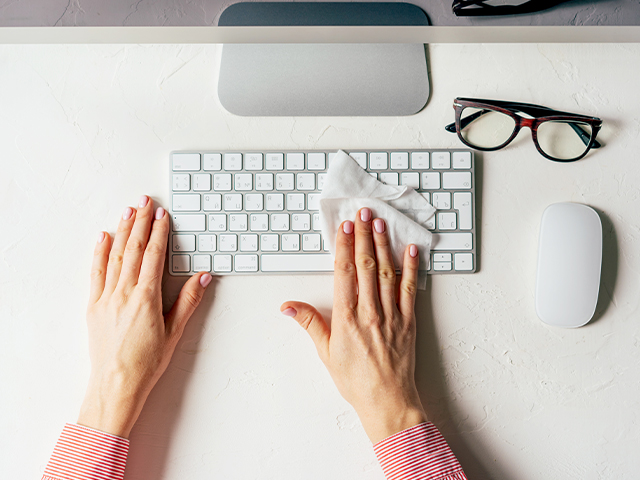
(430, 380)
(609, 269)
(153, 433)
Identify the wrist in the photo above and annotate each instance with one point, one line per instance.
(386, 422)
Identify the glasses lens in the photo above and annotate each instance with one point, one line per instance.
(564, 140)
(484, 128)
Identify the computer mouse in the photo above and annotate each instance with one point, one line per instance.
(569, 262)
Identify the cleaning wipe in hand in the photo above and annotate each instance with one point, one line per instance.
(348, 188)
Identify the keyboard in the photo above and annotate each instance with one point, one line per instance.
(258, 212)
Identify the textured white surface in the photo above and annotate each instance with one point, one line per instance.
(85, 130)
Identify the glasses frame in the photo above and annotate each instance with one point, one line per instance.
(478, 8)
(539, 116)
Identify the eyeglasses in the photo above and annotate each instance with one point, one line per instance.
(489, 125)
(476, 8)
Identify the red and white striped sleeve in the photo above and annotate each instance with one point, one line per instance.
(418, 453)
(83, 453)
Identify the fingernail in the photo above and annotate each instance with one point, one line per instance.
(159, 213)
(127, 213)
(143, 201)
(347, 227)
(290, 312)
(413, 251)
(378, 224)
(365, 214)
(205, 279)
(100, 237)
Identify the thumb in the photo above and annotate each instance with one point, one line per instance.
(311, 320)
(188, 299)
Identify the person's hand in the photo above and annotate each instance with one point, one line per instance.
(369, 349)
(130, 340)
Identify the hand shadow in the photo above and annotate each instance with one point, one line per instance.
(153, 433)
(433, 393)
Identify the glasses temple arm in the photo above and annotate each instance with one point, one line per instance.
(584, 136)
(465, 121)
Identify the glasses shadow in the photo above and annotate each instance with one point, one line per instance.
(609, 269)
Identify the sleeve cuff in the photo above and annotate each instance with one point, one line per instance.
(83, 453)
(418, 452)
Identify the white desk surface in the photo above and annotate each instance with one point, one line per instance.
(84, 130)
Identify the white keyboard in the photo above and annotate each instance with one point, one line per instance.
(257, 212)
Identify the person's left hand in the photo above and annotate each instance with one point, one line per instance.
(130, 340)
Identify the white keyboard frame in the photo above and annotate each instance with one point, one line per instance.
(432, 267)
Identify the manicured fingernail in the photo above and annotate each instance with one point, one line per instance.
(143, 201)
(347, 227)
(413, 251)
(205, 279)
(378, 224)
(159, 213)
(100, 237)
(290, 312)
(127, 213)
(365, 214)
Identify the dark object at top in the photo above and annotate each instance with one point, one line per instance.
(477, 8)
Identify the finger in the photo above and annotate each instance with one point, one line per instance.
(386, 269)
(117, 250)
(136, 244)
(312, 321)
(154, 255)
(366, 268)
(99, 267)
(345, 293)
(188, 300)
(409, 281)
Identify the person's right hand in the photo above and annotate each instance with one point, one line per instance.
(370, 348)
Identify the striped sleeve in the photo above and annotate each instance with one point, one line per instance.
(418, 453)
(86, 454)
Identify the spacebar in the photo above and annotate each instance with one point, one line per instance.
(301, 262)
(452, 241)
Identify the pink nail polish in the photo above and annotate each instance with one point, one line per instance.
(143, 201)
(413, 251)
(365, 214)
(290, 312)
(205, 280)
(127, 213)
(378, 224)
(159, 213)
(101, 237)
(347, 227)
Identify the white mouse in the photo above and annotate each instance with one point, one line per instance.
(569, 261)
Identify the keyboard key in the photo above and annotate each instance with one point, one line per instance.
(290, 242)
(222, 263)
(300, 262)
(441, 257)
(269, 242)
(243, 182)
(207, 243)
(259, 222)
(189, 223)
(463, 262)
(300, 222)
(218, 222)
(181, 182)
(390, 178)
(182, 162)
(315, 222)
(186, 202)
(419, 160)
(374, 175)
(399, 160)
(430, 224)
(461, 160)
(181, 263)
(441, 200)
(295, 201)
(202, 182)
(440, 160)
(184, 243)
(228, 242)
(441, 266)
(246, 263)
(456, 180)
(462, 203)
(425, 195)
(321, 178)
(411, 179)
(284, 181)
(313, 201)
(212, 162)
(378, 161)
(253, 202)
(295, 161)
(249, 242)
(212, 202)
(361, 158)
(232, 161)
(311, 242)
(275, 161)
(447, 221)
(202, 263)
(430, 180)
(238, 222)
(275, 202)
(222, 182)
(264, 181)
(316, 161)
(253, 161)
(452, 241)
(232, 202)
(306, 181)
(280, 222)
